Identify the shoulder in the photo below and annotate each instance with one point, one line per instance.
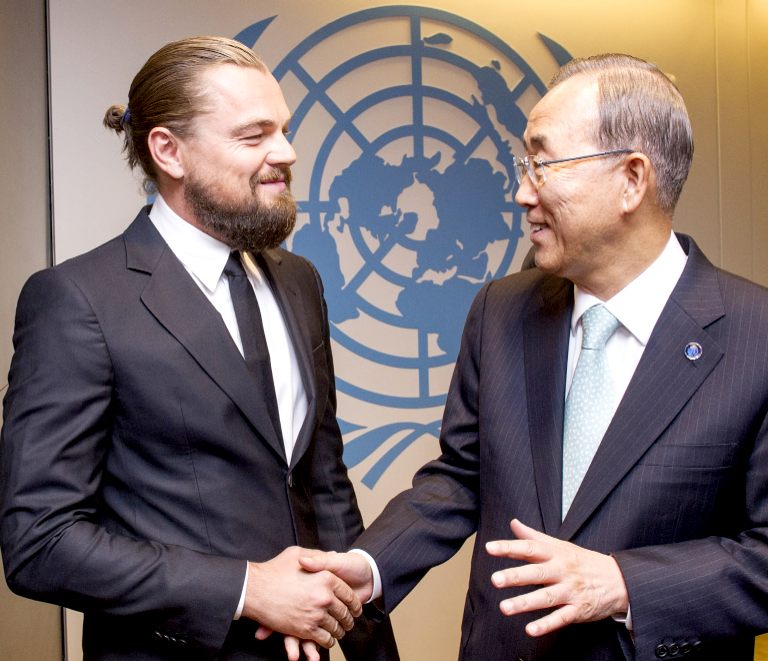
(296, 267)
(293, 261)
(82, 272)
(530, 287)
(704, 285)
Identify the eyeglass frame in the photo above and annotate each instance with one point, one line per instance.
(535, 162)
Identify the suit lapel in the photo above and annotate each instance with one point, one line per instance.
(288, 295)
(663, 383)
(183, 310)
(546, 329)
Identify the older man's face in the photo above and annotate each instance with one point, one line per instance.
(575, 215)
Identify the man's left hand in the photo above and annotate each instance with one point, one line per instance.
(582, 585)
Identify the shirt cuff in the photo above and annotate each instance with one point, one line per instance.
(626, 620)
(241, 603)
(377, 591)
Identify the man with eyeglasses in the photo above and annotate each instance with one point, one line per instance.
(611, 402)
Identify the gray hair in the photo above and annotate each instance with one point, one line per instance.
(640, 108)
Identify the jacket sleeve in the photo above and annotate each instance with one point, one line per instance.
(58, 416)
(426, 525)
(704, 593)
(338, 517)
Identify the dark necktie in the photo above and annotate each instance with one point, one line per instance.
(255, 350)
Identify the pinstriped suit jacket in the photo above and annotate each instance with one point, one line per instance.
(678, 490)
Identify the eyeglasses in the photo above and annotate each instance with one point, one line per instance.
(534, 166)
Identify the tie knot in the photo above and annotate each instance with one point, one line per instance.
(234, 267)
(598, 325)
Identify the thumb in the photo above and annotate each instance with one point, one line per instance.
(318, 561)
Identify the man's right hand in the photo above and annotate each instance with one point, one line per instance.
(352, 568)
(309, 604)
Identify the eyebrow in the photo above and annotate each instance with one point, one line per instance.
(257, 125)
(536, 142)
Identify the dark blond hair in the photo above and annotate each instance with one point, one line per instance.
(640, 108)
(167, 92)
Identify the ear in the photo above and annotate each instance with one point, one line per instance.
(166, 152)
(638, 180)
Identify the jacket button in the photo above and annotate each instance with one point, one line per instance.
(685, 648)
(290, 480)
(661, 651)
(674, 649)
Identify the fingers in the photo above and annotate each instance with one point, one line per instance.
(349, 598)
(580, 584)
(262, 633)
(530, 545)
(327, 631)
(558, 619)
(294, 647)
(313, 606)
(324, 638)
(531, 574)
(291, 645)
(520, 549)
(310, 650)
(352, 568)
(521, 531)
(543, 598)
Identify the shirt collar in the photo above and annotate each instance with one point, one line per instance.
(201, 254)
(639, 305)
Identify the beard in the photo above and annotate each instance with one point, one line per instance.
(244, 225)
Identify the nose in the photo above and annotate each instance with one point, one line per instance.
(527, 194)
(282, 152)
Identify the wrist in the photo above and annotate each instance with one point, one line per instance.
(619, 596)
(371, 588)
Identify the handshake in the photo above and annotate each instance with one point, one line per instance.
(310, 596)
(313, 596)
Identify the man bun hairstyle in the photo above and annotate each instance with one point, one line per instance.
(167, 92)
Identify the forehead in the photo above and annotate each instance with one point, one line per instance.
(565, 118)
(240, 93)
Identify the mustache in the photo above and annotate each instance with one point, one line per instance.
(275, 173)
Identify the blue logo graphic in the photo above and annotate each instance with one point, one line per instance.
(410, 207)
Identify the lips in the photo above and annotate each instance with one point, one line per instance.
(276, 175)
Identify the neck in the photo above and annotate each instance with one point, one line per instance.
(627, 260)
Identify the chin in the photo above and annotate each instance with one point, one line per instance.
(546, 265)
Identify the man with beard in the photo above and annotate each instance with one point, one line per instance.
(169, 436)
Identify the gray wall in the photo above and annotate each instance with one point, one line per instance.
(28, 630)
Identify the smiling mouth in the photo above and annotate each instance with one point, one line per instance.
(276, 175)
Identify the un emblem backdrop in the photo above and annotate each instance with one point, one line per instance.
(405, 122)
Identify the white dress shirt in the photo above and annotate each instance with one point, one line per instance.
(204, 259)
(637, 307)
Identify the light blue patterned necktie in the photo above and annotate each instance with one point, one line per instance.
(589, 405)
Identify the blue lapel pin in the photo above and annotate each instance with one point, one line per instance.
(693, 351)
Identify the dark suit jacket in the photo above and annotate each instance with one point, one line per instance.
(677, 492)
(139, 468)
